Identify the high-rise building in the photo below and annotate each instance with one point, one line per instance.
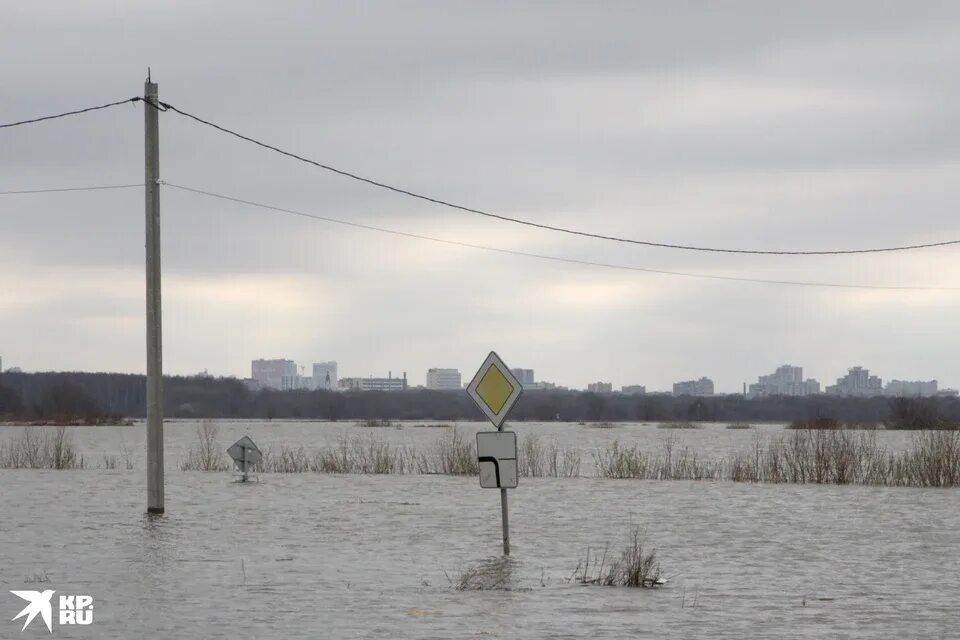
(857, 382)
(811, 387)
(701, 387)
(787, 380)
(600, 387)
(374, 384)
(271, 374)
(443, 379)
(325, 376)
(543, 386)
(289, 383)
(911, 388)
(633, 389)
(523, 376)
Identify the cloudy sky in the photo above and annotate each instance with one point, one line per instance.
(739, 124)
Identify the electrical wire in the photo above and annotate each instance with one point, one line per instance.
(528, 223)
(539, 256)
(164, 106)
(71, 113)
(66, 189)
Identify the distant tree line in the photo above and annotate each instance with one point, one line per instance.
(94, 398)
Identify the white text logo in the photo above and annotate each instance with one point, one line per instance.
(76, 609)
(73, 609)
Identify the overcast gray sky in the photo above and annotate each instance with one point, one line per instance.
(737, 124)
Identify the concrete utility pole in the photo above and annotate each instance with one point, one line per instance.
(151, 137)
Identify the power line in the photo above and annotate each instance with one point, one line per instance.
(72, 113)
(539, 256)
(66, 189)
(586, 234)
(163, 106)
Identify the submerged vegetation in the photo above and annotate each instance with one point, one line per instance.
(538, 460)
(816, 456)
(487, 575)
(636, 567)
(207, 454)
(375, 422)
(803, 456)
(678, 425)
(451, 453)
(39, 448)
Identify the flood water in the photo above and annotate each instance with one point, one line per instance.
(335, 556)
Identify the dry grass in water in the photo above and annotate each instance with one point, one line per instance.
(356, 455)
(486, 575)
(636, 567)
(539, 460)
(671, 462)
(451, 454)
(816, 423)
(206, 455)
(360, 456)
(375, 422)
(863, 426)
(831, 424)
(598, 425)
(815, 456)
(933, 460)
(40, 448)
(113, 462)
(678, 425)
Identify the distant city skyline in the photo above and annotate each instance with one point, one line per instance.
(289, 376)
(787, 379)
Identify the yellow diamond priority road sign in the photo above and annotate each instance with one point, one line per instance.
(495, 389)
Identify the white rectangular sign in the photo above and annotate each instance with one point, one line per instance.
(497, 454)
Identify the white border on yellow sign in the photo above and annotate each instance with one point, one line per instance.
(493, 360)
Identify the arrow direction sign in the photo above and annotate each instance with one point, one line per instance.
(495, 389)
(497, 454)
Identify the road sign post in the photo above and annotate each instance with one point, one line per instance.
(505, 519)
(496, 390)
(245, 456)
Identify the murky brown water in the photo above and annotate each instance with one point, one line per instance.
(323, 556)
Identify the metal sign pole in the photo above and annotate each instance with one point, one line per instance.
(506, 517)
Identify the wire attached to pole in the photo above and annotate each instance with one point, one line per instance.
(528, 223)
(105, 187)
(72, 113)
(540, 256)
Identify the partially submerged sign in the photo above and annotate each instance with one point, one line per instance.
(245, 454)
(495, 389)
(497, 454)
